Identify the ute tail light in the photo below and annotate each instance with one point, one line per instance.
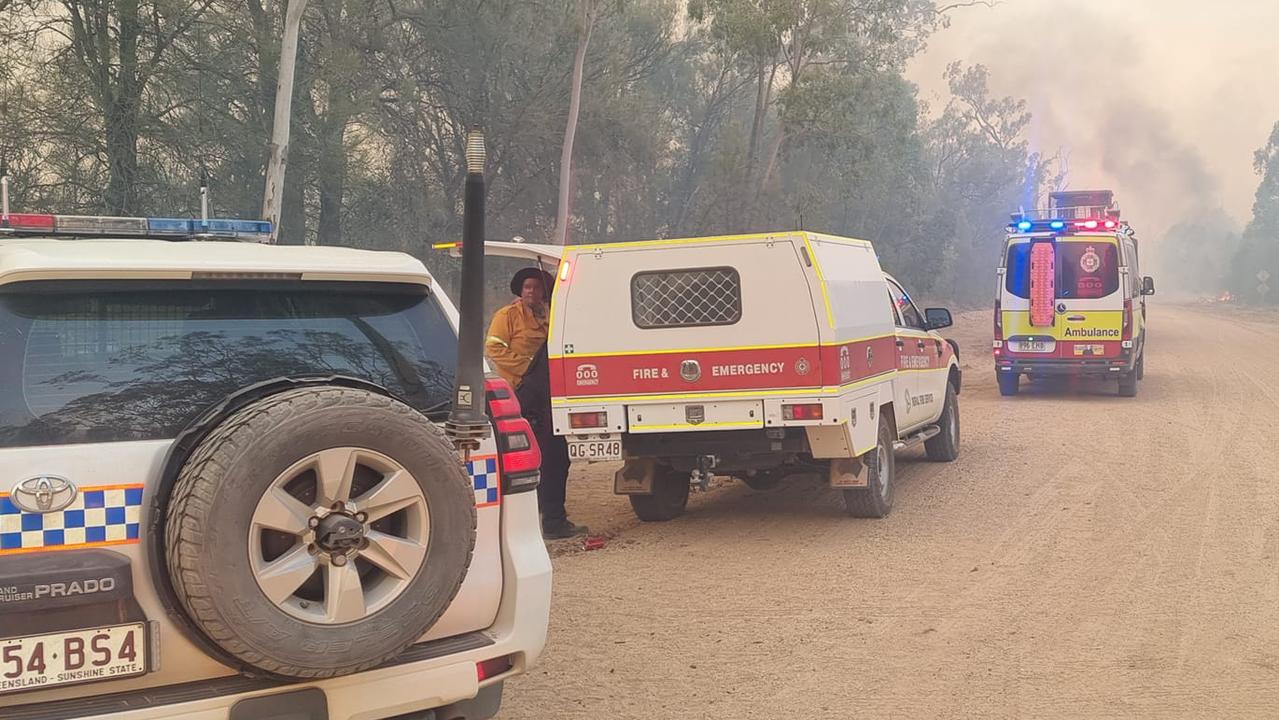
(999, 320)
(806, 411)
(588, 420)
(518, 454)
(1127, 319)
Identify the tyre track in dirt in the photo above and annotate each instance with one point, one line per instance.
(1088, 555)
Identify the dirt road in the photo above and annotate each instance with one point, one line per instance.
(1087, 556)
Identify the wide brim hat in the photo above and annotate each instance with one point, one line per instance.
(517, 282)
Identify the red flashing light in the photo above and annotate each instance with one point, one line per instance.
(1127, 320)
(29, 221)
(999, 320)
(1111, 224)
(1087, 224)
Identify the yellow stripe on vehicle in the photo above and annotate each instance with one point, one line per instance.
(747, 237)
(821, 281)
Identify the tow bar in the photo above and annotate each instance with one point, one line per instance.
(701, 476)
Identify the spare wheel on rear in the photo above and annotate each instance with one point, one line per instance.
(320, 531)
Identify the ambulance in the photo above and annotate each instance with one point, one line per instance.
(752, 356)
(1071, 300)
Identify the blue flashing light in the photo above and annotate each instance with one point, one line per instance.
(252, 227)
(232, 228)
(1025, 225)
(168, 226)
(1057, 224)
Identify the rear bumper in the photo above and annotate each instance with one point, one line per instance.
(430, 675)
(1097, 367)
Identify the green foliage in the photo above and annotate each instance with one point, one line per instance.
(703, 117)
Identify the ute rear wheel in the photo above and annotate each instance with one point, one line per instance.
(876, 499)
(944, 447)
(669, 498)
(319, 532)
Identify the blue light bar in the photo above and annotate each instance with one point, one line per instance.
(1057, 224)
(232, 228)
(168, 226)
(1025, 225)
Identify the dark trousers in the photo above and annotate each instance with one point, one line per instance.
(553, 486)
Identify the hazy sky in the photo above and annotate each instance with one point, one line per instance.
(1163, 101)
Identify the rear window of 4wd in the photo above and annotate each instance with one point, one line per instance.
(131, 362)
(686, 298)
(1084, 270)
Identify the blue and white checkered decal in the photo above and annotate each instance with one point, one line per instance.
(486, 480)
(99, 516)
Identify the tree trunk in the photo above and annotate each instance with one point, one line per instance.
(332, 187)
(774, 151)
(293, 213)
(121, 113)
(122, 160)
(586, 23)
(332, 182)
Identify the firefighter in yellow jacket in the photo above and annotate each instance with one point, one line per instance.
(516, 347)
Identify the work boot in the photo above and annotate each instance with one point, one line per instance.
(561, 529)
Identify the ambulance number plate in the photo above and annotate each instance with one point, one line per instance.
(595, 450)
(1034, 346)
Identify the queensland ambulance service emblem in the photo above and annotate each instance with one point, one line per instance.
(802, 366)
(1091, 261)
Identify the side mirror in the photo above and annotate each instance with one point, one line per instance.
(937, 318)
(1147, 285)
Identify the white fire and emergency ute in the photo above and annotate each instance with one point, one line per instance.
(756, 356)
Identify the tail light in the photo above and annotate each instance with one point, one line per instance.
(518, 454)
(501, 399)
(999, 320)
(807, 411)
(1128, 319)
(588, 421)
(492, 668)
